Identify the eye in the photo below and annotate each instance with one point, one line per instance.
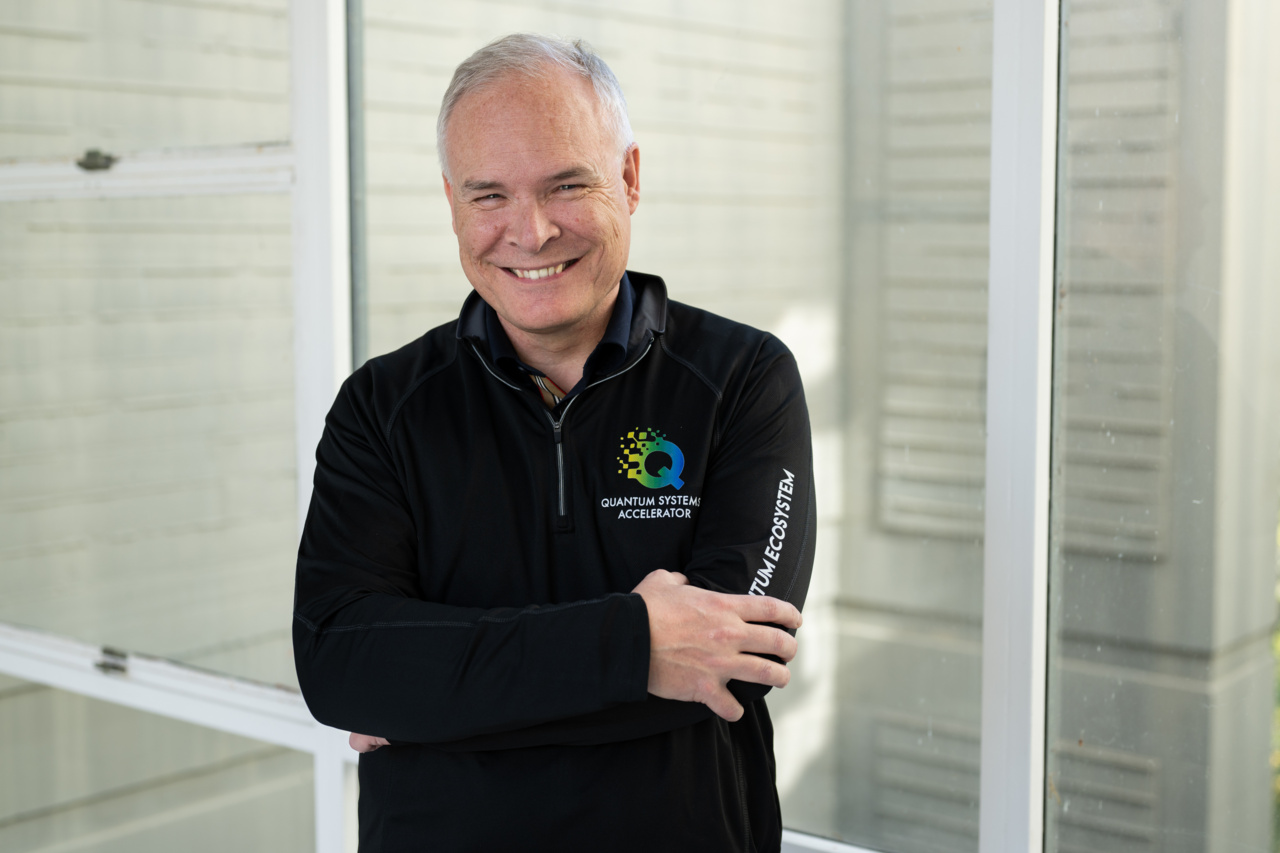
(569, 187)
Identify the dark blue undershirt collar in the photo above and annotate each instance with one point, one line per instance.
(608, 355)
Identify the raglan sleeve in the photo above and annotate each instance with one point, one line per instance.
(755, 536)
(756, 527)
(373, 656)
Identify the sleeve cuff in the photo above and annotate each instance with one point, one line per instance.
(627, 644)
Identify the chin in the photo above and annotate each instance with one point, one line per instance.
(543, 323)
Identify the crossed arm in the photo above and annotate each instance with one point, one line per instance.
(700, 640)
(375, 657)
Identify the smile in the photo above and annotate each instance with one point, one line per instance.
(545, 272)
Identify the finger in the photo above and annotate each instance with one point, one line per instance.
(366, 743)
(758, 670)
(767, 640)
(658, 579)
(762, 608)
(724, 705)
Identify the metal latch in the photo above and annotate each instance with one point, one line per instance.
(95, 161)
(113, 660)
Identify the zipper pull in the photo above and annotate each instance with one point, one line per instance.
(555, 431)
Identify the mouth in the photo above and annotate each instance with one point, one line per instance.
(544, 272)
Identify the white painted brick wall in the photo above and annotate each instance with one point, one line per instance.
(146, 423)
(734, 106)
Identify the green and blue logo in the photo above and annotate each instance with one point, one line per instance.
(637, 446)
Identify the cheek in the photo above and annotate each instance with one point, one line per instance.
(619, 235)
(478, 236)
(605, 220)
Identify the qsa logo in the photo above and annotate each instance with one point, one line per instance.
(637, 446)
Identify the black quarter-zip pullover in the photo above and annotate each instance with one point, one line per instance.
(464, 575)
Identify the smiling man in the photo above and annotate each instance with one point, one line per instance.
(542, 201)
(556, 548)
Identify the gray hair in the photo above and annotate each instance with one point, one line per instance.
(534, 55)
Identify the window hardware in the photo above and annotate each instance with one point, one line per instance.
(95, 161)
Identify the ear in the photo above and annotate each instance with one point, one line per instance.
(631, 176)
(448, 194)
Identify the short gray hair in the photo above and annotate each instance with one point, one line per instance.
(534, 55)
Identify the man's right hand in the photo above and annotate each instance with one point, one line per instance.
(699, 640)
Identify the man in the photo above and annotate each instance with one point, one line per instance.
(554, 545)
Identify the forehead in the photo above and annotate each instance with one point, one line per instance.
(547, 123)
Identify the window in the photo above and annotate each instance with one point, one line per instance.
(1022, 254)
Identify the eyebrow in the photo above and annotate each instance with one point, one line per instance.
(559, 177)
(569, 174)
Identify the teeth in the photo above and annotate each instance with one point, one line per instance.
(542, 273)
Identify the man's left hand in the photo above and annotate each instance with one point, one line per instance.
(366, 743)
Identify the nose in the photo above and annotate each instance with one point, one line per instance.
(530, 228)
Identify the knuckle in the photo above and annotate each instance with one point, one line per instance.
(726, 635)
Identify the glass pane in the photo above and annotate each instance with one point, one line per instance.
(80, 774)
(907, 711)
(1166, 441)
(823, 173)
(124, 75)
(147, 495)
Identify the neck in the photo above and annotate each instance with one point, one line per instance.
(560, 354)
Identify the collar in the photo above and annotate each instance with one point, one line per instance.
(648, 308)
(609, 353)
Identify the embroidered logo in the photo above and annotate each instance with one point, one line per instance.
(637, 446)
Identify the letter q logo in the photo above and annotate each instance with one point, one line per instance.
(637, 446)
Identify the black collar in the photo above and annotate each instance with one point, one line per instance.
(608, 355)
(648, 318)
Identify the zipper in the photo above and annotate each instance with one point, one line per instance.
(495, 374)
(557, 425)
(558, 435)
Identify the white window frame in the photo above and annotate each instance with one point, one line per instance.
(314, 168)
(1024, 121)
(225, 170)
(322, 305)
(321, 230)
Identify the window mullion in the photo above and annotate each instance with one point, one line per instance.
(1019, 360)
(321, 234)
